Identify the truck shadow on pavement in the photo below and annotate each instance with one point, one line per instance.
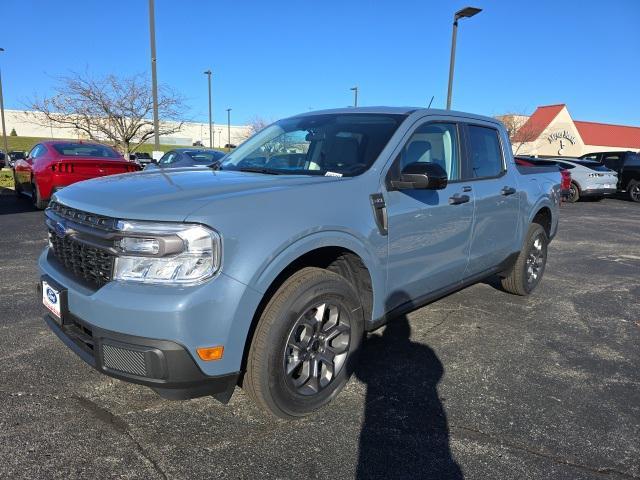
(405, 432)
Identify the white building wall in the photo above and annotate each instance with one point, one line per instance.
(189, 133)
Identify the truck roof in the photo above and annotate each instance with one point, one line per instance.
(400, 111)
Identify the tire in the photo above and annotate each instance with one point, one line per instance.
(526, 273)
(574, 193)
(633, 190)
(37, 200)
(289, 341)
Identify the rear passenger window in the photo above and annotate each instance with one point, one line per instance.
(484, 152)
(434, 143)
(611, 161)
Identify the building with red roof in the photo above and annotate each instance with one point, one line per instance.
(551, 131)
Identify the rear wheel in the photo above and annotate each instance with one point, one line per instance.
(36, 198)
(526, 273)
(574, 193)
(305, 345)
(633, 189)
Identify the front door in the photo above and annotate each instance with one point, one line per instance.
(428, 230)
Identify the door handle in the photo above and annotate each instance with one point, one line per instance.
(466, 188)
(507, 191)
(458, 199)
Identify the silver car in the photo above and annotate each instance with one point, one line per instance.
(588, 179)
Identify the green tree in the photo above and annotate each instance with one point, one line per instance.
(13, 133)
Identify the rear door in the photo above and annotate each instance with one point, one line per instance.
(428, 232)
(495, 189)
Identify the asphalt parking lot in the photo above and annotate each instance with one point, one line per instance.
(478, 385)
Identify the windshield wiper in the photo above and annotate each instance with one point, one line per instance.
(266, 171)
(216, 165)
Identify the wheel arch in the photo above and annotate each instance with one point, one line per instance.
(544, 218)
(339, 252)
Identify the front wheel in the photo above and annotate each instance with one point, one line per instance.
(634, 190)
(17, 188)
(305, 345)
(526, 273)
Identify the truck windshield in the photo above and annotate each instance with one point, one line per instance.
(328, 144)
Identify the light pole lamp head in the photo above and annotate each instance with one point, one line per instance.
(1, 49)
(353, 89)
(208, 72)
(466, 12)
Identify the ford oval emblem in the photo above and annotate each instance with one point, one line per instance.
(60, 229)
(51, 295)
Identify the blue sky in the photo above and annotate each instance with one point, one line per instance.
(273, 59)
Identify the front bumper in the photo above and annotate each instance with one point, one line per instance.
(164, 366)
(162, 325)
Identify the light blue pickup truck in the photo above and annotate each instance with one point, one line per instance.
(266, 269)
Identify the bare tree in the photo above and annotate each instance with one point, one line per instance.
(519, 128)
(110, 108)
(258, 123)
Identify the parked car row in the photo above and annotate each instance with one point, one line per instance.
(9, 160)
(626, 165)
(596, 175)
(53, 165)
(187, 157)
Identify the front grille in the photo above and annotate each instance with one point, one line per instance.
(78, 249)
(83, 218)
(92, 265)
(124, 360)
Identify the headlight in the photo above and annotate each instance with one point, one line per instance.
(166, 252)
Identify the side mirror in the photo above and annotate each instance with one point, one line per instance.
(421, 175)
(132, 157)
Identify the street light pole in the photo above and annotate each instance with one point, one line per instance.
(208, 74)
(464, 13)
(4, 129)
(154, 77)
(355, 95)
(229, 127)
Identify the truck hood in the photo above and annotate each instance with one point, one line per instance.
(171, 195)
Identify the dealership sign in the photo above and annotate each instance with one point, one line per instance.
(562, 136)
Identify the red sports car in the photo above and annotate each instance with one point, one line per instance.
(55, 164)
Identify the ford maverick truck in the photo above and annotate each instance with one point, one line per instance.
(266, 269)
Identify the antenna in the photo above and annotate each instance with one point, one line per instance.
(430, 102)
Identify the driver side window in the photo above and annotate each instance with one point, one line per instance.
(434, 143)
